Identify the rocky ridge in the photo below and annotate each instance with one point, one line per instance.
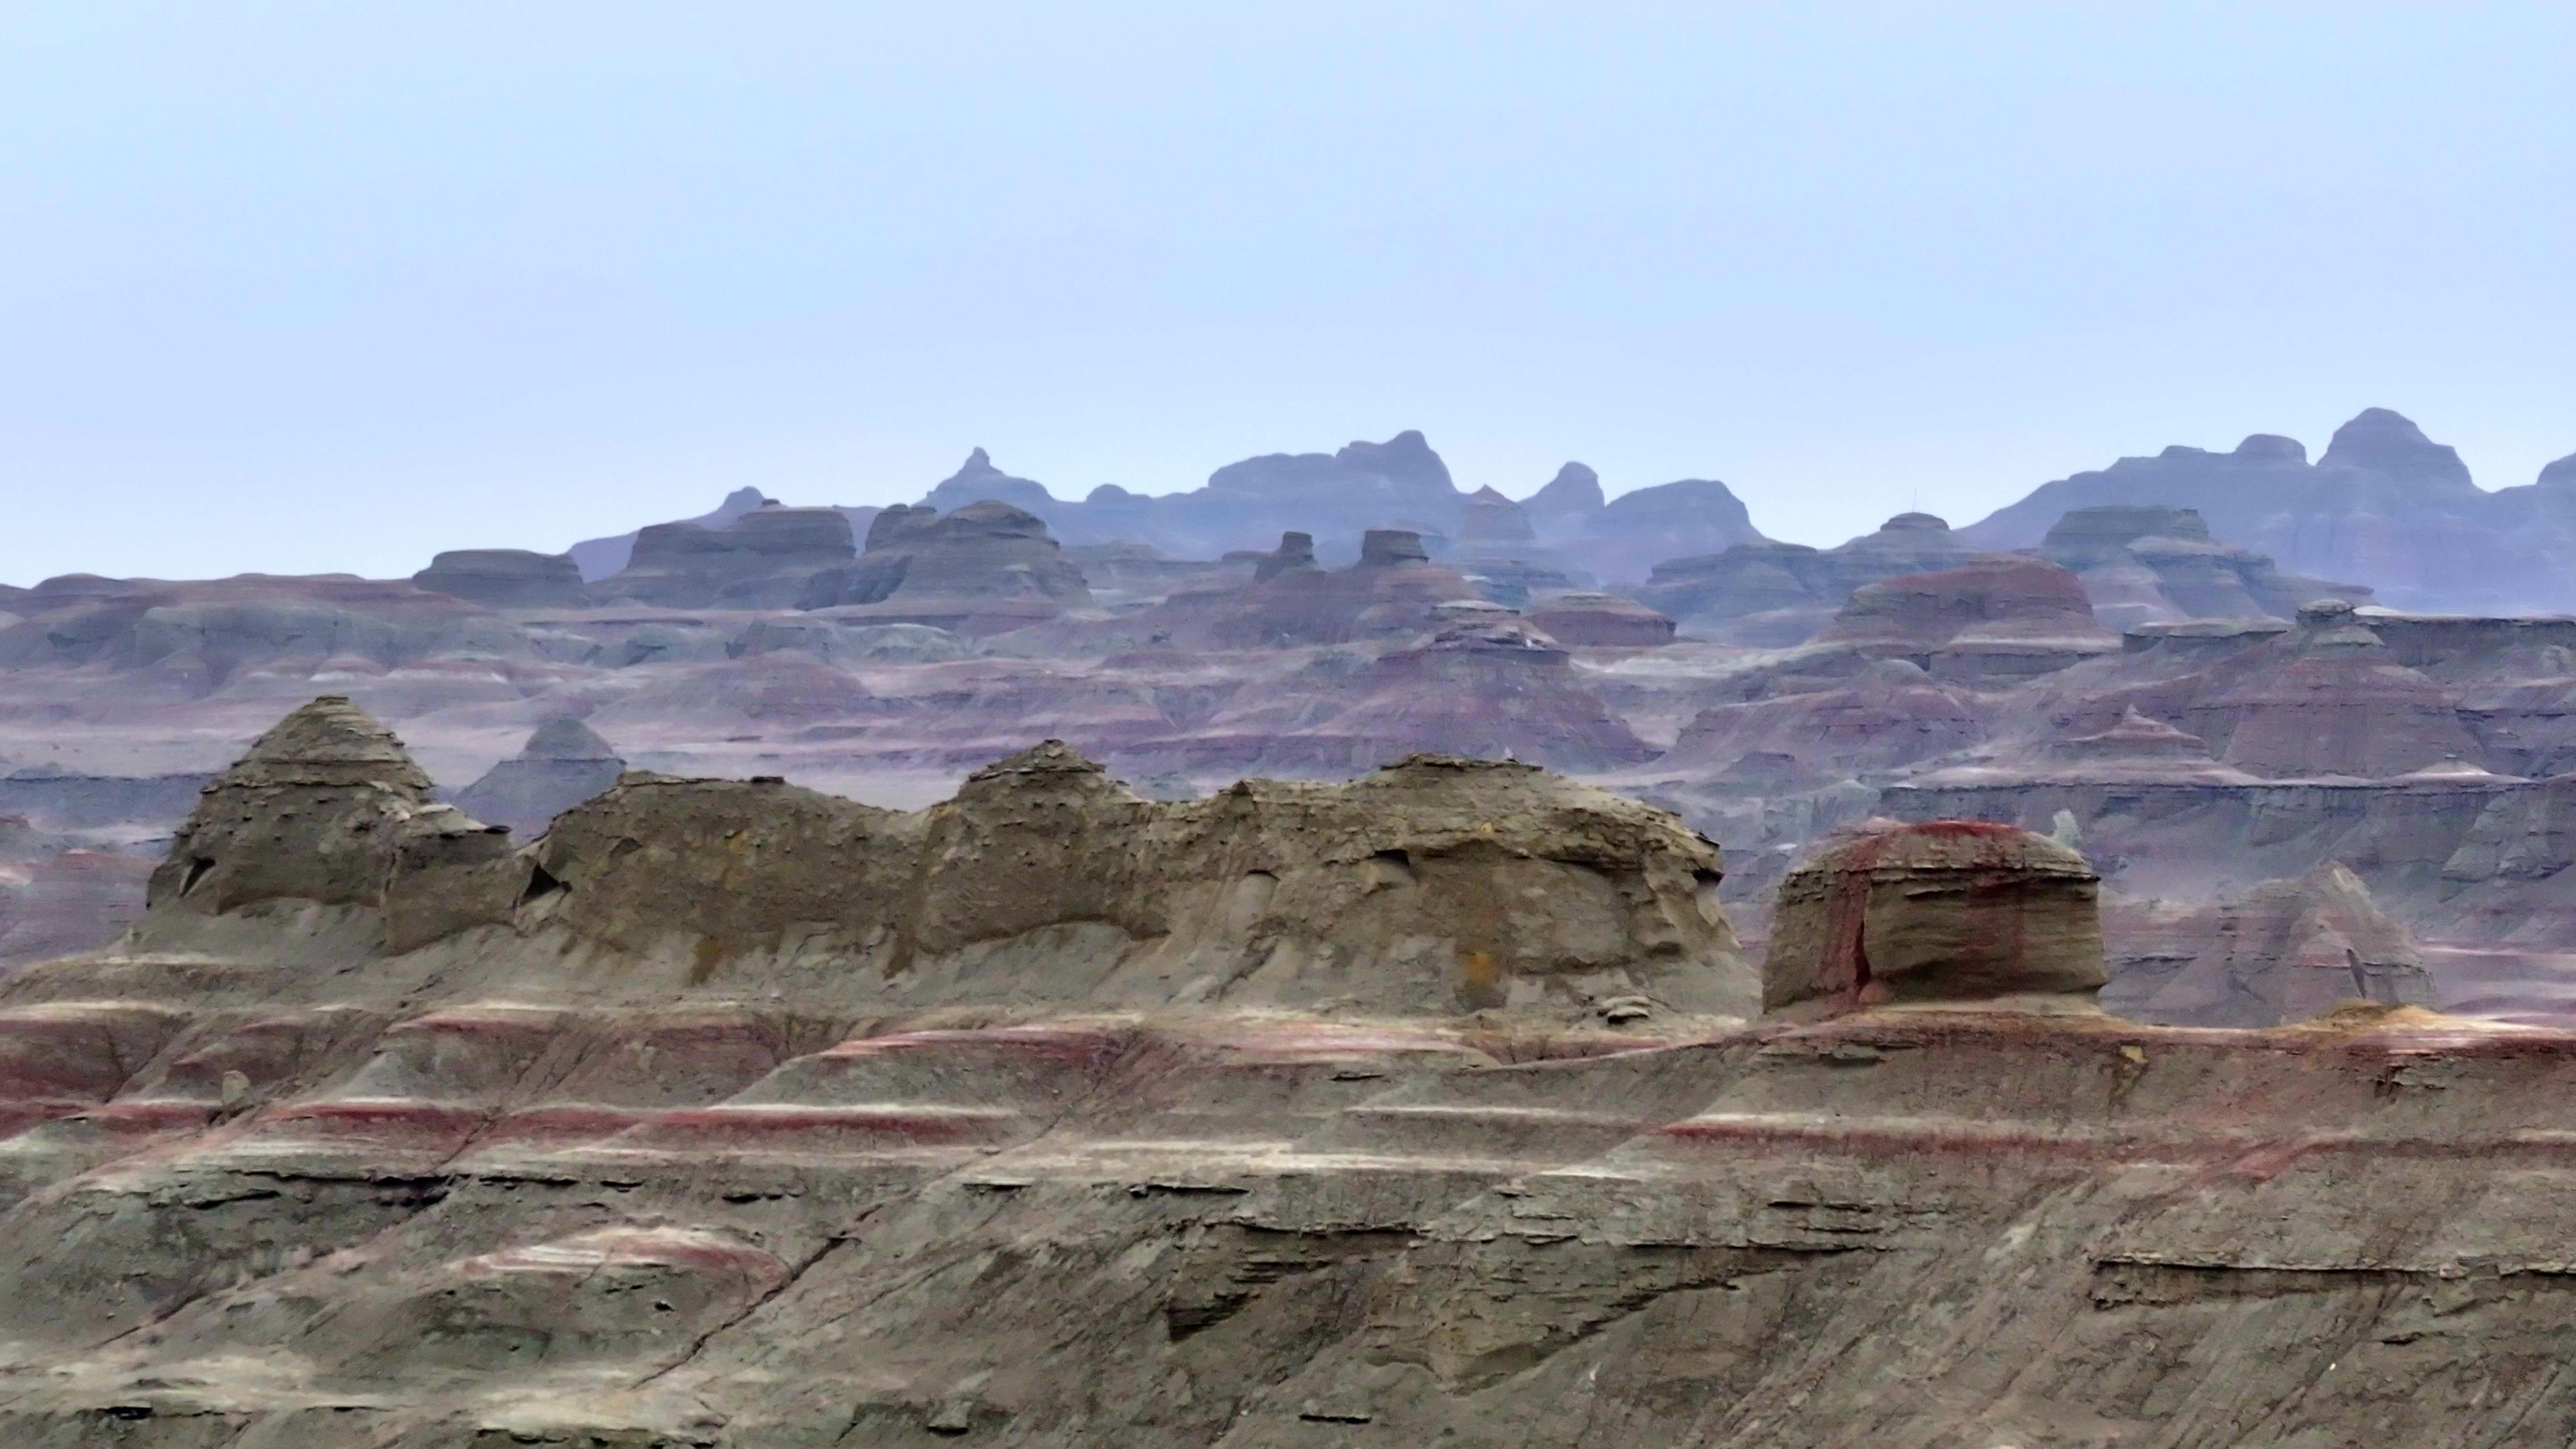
(730, 1113)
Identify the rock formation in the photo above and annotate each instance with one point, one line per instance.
(564, 763)
(1639, 529)
(731, 1113)
(2336, 704)
(2150, 564)
(1942, 912)
(1390, 593)
(770, 557)
(327, 807)
(504, 578)
(191, 639)
(1435, 884)
(2384, 505)
(1891, 713)
(1498, 550)
(598, 558)
(1998, 615)
(978, 481)
(1769, 594)
(1492, 689)
(1602, 621)
(985, 568)
(2286, 951)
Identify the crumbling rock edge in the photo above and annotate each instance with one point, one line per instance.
(1433, 887)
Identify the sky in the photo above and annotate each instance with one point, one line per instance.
(304, 287)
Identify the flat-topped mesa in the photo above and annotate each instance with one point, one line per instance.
(1391, 547)
(324, 808)
(2091, 534)
(763, 559)
(1296, 552)
(1606, 621)
(985, 568)
(1435, 886)
(1996, 614)
(1949, 912)
(504, 578)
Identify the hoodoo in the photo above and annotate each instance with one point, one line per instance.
(1949, 911)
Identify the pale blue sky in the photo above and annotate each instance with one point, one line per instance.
(329, 286)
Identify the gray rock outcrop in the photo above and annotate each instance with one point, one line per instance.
(564, 763)
(504, 578)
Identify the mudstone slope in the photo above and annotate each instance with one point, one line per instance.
(729, 1113)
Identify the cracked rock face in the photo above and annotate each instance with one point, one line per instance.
(730, 1113)
(1944, 911)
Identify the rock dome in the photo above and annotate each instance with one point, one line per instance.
(1942, 911)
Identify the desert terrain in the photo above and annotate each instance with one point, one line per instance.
(1329, 957)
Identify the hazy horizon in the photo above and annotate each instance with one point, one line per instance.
(296, 289)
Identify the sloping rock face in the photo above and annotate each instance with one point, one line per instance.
(324, 808)
(769, 557)
(58, 897)
(504, 578)
(599, 558)
(1633, 532)
(1771, 595)
(985, 568)
(978, 481)
(1601, 621)
(2339, 705)
(862, 1139)
(1999, 615)
(2384, 504)
(1889, 714)
(1435, 884)
(1945, 911)
(1492, 689)
(2151, 564)
(564, 763)
(2286, 951)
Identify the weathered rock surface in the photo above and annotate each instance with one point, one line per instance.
(746, 1116)
(2286, 951)
(504, 578)
(321, 809)
(1943, 911)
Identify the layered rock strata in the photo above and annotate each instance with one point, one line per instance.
(527, 1185)
(1947, 910)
